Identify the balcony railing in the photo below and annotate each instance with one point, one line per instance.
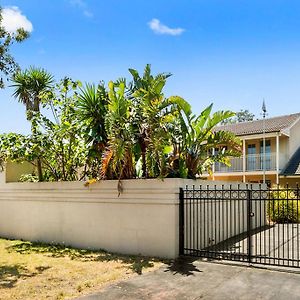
(254, 162)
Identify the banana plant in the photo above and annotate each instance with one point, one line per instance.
(152, 116)
(197, 136)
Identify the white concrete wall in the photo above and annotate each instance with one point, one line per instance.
(142, 220)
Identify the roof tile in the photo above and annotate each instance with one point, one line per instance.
(275, 124)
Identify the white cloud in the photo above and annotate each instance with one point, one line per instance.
(160, 28)
(88, 13)
(81, 4)
(13, 19)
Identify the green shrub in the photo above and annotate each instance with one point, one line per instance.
(28, 178)
(284, 207)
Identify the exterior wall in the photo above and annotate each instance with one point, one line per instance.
(143, 219)
(228, 178)
(14, 170)
(291, 182)
(259, 178)
(2, 176)
(294, 140)
(283, 151)
(257, 175)
(248, 178)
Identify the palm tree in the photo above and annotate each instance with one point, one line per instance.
(29, 85)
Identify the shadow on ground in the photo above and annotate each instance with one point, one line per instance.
(136, 263)
(183, 266)
(10, 274)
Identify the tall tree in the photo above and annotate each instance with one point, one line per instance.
(29, 86)
(244, 115)
(8, 65)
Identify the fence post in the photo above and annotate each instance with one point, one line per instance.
(249, 212)
(181, 221)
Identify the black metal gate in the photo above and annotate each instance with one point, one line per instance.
(250, 224)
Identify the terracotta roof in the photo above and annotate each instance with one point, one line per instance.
(276, 124)
(293, 166)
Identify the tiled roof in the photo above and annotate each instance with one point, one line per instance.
(275, 124)
(293, 166)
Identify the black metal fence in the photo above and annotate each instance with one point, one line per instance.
(249, 224)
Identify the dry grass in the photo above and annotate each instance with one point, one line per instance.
(41, 271)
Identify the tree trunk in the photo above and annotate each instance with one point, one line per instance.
(36, 108)
(39, 169)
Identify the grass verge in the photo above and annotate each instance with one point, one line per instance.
(44, 271)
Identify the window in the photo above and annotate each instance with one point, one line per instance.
(251, 157)
(267, 156)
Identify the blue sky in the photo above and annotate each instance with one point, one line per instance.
(231, 53)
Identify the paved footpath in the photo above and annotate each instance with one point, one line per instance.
(195, 280)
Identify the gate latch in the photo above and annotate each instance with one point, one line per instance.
(252, 214)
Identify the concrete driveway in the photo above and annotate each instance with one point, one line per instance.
(188, 279)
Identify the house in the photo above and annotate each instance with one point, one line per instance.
(278, 164)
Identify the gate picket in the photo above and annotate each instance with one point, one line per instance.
(258, 226)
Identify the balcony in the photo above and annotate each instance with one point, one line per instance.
(254, 162)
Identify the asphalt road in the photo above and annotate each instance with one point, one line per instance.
(194, 280)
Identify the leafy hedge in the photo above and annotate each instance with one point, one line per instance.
(284, 207)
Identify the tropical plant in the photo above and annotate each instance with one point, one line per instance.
(29, 85)
(57, 141)
(126, 131)
(151, 114)
(118, 159)
(195, 137)
(91, 110)
(8, 65)
(161, 134)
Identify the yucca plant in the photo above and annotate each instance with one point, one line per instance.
(91, 111)
(118, 158)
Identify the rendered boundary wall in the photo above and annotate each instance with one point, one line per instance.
(143, 219)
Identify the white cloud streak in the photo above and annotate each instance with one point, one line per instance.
(13, 19)
(159, 28)
(82, 5)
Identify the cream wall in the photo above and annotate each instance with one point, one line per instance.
(143, 219)
(2, 176)
(283, 151)
(14, 170)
